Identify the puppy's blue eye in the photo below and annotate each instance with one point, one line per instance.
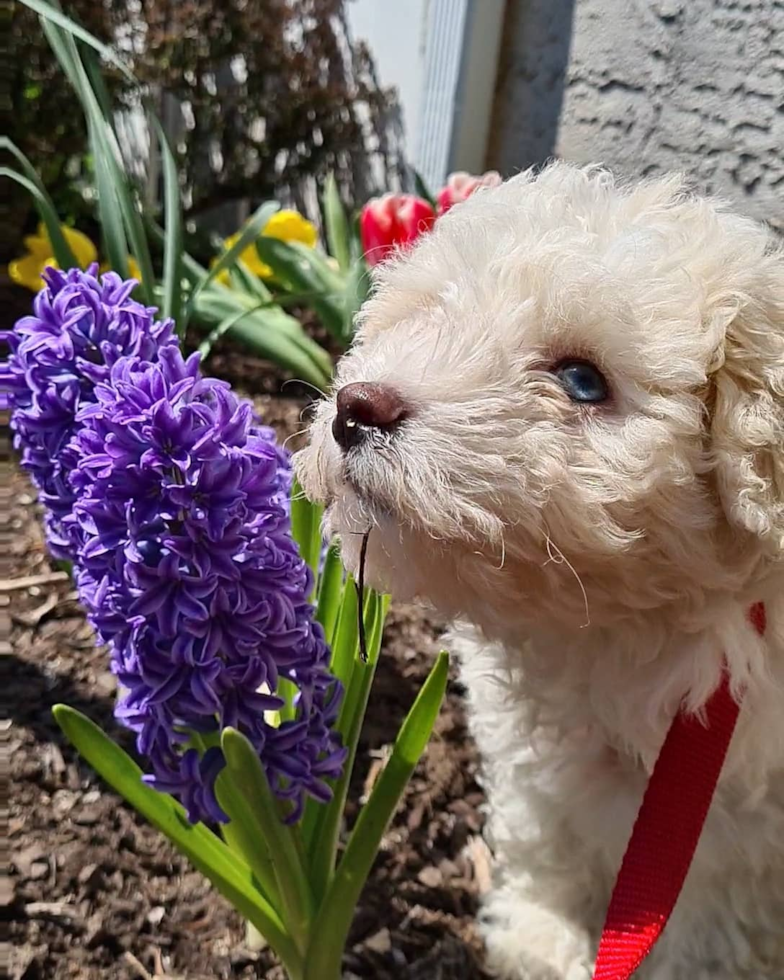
(582, 381)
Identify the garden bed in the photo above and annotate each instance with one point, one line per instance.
(96, 893)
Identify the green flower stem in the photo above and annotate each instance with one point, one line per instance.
(325, 836)
(334, 600)
(354, 704)
(330, 931)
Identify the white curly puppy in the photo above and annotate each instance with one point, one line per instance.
(563, 417)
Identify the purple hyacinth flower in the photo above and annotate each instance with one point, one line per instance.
(173, 502)
(81, 325)
(187, 567)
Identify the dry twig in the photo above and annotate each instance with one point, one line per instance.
(28, 581)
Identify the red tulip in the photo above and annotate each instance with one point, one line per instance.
(460, 186)
(393, 221)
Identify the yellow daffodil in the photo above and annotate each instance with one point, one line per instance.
(27, 269)
(290, 226)
(286, 226)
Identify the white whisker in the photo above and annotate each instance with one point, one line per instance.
(559, 558)
(294, 435)
(301, 381)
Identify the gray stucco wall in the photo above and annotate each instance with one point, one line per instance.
(646, 86)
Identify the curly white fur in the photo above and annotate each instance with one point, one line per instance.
(606, 556)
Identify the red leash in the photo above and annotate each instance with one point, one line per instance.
(667, 830)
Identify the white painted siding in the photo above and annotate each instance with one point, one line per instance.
(441, 55)
(395, 32)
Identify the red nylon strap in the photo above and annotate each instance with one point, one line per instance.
(667, 830)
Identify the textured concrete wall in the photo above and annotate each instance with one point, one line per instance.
(647, 86)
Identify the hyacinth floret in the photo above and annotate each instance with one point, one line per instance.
(187, 567)
(80, 326)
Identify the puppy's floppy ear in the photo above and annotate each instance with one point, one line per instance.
(747, 427)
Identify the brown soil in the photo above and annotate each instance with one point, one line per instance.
(96, 893)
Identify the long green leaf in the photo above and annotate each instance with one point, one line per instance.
(355, 241)
(332, 282)
(117, 187)
(207, 853)
(345, 639)
(336, 224)
(337, 908)
(260, 332)
(172, 253)
(242, 278)
(267, 334)
(242, 835)
(61, 252)
(109, 212)
(65, 51)
(324, 834)
(55, 16)
(250, 233)
(376, 632)
(337, 613)
(306, 528)
(263, 814)
(60, 248)
(358, 685)
(205, 347)
(423, 190)
(216, 303)
(329, 591)
(191, 269)
(117, 210)
(93, 68)
(105, 137)
(306, 273)
(358, 286)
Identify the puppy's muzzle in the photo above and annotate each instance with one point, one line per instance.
(365, 409)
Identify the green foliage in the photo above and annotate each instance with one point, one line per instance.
(173, 247)
(290, 881)
(225, 868)
(338, 232)
(303, 271)
(39, 119)
(127, 231)
(308, 104)
(228, 298)
(32, 183)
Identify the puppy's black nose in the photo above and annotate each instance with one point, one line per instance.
(363, 407)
